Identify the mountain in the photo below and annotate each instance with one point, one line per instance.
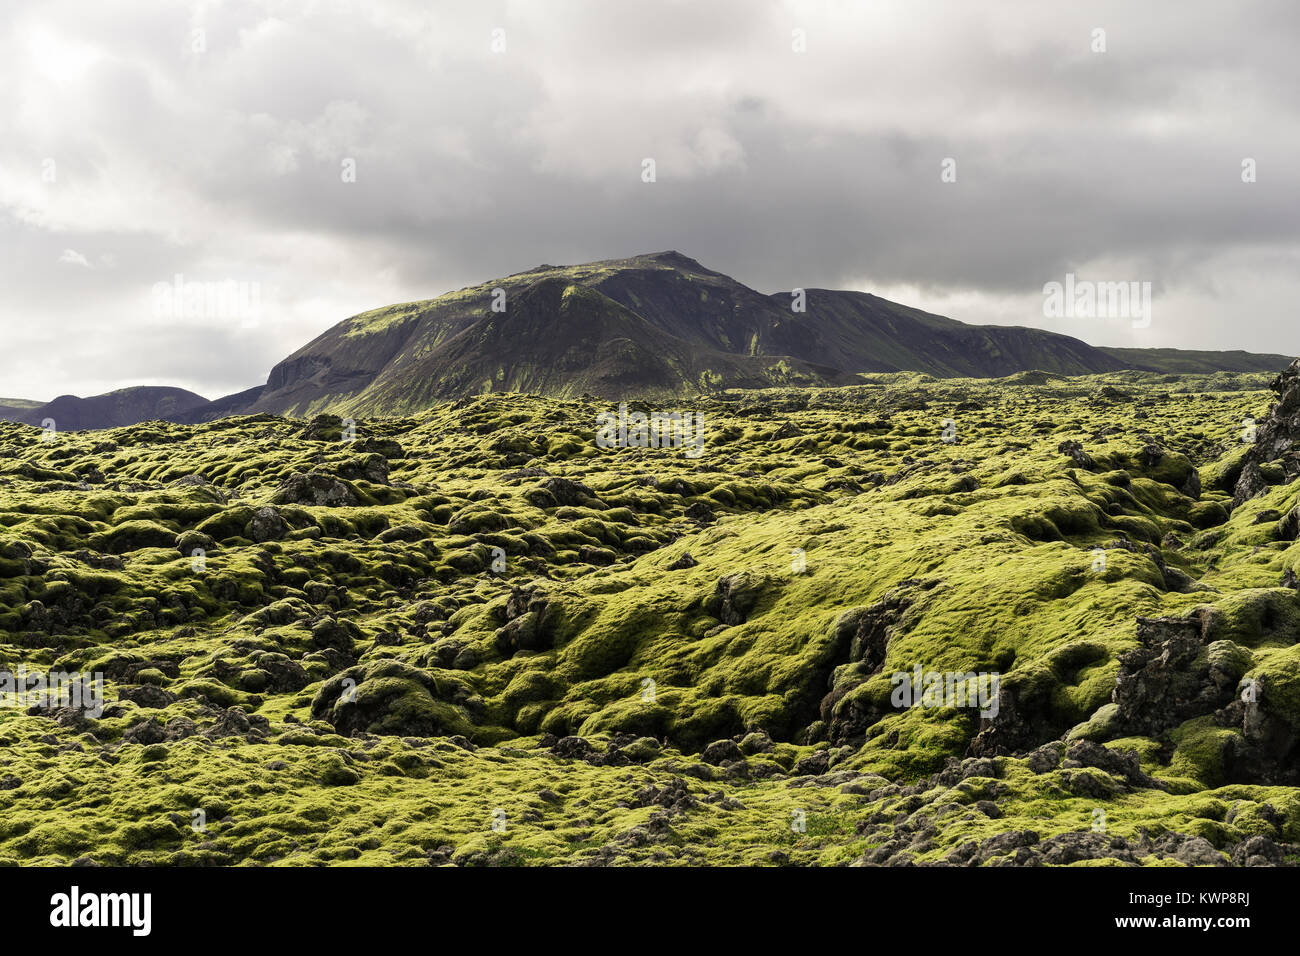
(1185, 362)
(644, 326)
(126, 406)
(874, 334)
(12, 409)
(651, 326)
(658, 325)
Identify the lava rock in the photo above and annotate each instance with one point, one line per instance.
(316, 489)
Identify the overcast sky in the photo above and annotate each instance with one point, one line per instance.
(144, 139)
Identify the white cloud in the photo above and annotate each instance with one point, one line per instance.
(73, 257)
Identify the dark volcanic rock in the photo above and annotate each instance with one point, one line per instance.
(567, 492)
(1276, 438)
(1161, 684)
(675, 796)
(1074, 451)
(734, 598)
(316, 489)
(531, 625)
(861, 636)
(147, 695)
(372, 468)
(266, 525)
(700, 513)
(720, 751)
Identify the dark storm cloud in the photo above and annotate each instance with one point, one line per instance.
(218, 154)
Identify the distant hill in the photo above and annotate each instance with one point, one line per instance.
(12, 409)
(652, 326)
(126, 406)
(1184, 362)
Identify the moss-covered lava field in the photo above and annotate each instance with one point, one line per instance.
(476, 637)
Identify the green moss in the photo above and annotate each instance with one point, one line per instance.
(807, 504)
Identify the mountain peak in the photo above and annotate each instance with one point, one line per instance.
(669, 257)
(678, 260)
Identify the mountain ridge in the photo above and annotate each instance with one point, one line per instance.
(118, 408)
(660, 325)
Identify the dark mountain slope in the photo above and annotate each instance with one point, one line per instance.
(562, 338)
(874, 334)
(657, 324)
(651, 325)
(1188, 362)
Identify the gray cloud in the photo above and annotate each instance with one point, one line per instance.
(781, 168)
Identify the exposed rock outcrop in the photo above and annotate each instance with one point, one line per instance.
(1275, 442)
